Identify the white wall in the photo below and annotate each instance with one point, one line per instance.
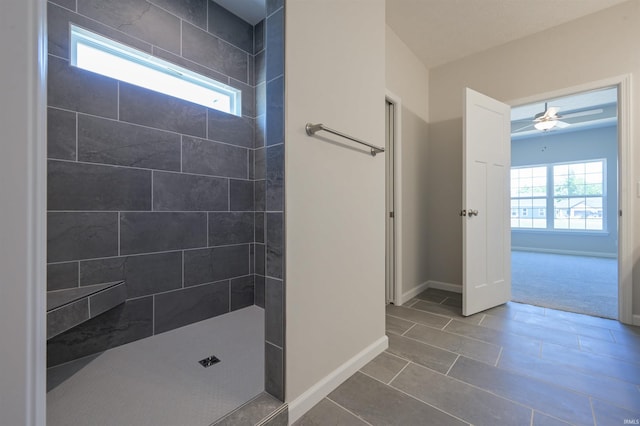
(589, 49)
(408, 79)
(22, 236)
(334, 211)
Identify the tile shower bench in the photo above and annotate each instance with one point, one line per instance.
(70, 307)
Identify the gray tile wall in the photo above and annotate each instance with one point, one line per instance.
(269, 192)
(157, 191)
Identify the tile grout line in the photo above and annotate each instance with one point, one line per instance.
(398, 373)
(499, 356)
(347, 410)
(426, 403)
(174, 172)
(474, 339)
(452, 364)
(77, 145)
(490, 392)
(409, 329)
(445, 326)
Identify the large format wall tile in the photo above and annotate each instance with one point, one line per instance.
(274, 324)
(212, 52)
(259, 195)
(229, 128)
(130, 321)
(275, 111)
(61, 134)
(181, 307)
(182, 192)
(242, 292)
(65, 317)
(260, 252)
(273, 5)
(78, 90)
(78, 186)
(274, 256)
(138, 18)
(143, 274)
(215, 264)
(62, 275)
(275, 45)
(149, 108)
(72, 236)
(69, 4)
(274, 370)
(259, 227)
(114, 142)
(275, 178)
(227, 228)
(211, 158)
(193, 11)
(229, 27)
(142, 232)
(58, 20)
(241, 195)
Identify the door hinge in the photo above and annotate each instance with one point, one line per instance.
(620, 213)
(391, 215)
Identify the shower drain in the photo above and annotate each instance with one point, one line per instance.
(209, 361)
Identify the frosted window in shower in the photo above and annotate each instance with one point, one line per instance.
(101, 55)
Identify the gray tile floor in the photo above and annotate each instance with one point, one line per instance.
(515, 364)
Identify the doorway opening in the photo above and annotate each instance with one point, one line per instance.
(565, 202)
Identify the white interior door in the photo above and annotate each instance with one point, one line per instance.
(486, 226)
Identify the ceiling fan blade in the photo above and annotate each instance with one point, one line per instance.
(562, 124)
(522, 128)
(551, 112)
(584, 113)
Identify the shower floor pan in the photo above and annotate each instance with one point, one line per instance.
(159, 381)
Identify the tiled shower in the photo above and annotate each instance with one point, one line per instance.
(181, 202)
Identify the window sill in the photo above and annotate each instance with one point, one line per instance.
(574, 232)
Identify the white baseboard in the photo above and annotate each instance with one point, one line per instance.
(406, 296)
(636, 320)
(322, 388)
(456, 288)
(567, 252)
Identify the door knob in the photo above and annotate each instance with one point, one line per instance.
(473, 212)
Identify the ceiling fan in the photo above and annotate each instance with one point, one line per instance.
(549, 118)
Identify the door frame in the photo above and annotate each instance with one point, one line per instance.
(625, 182)
(397, 298)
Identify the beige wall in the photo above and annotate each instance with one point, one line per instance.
(596, 47)
(334, 189)
(408, 79)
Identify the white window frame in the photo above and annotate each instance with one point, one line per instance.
(551, 197)
(157, 74)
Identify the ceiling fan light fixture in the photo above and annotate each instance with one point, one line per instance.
(545, 125)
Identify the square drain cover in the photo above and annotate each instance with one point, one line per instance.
(208, 362)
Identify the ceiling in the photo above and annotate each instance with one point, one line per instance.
(441, 31)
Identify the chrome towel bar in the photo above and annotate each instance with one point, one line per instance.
(313, 128)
